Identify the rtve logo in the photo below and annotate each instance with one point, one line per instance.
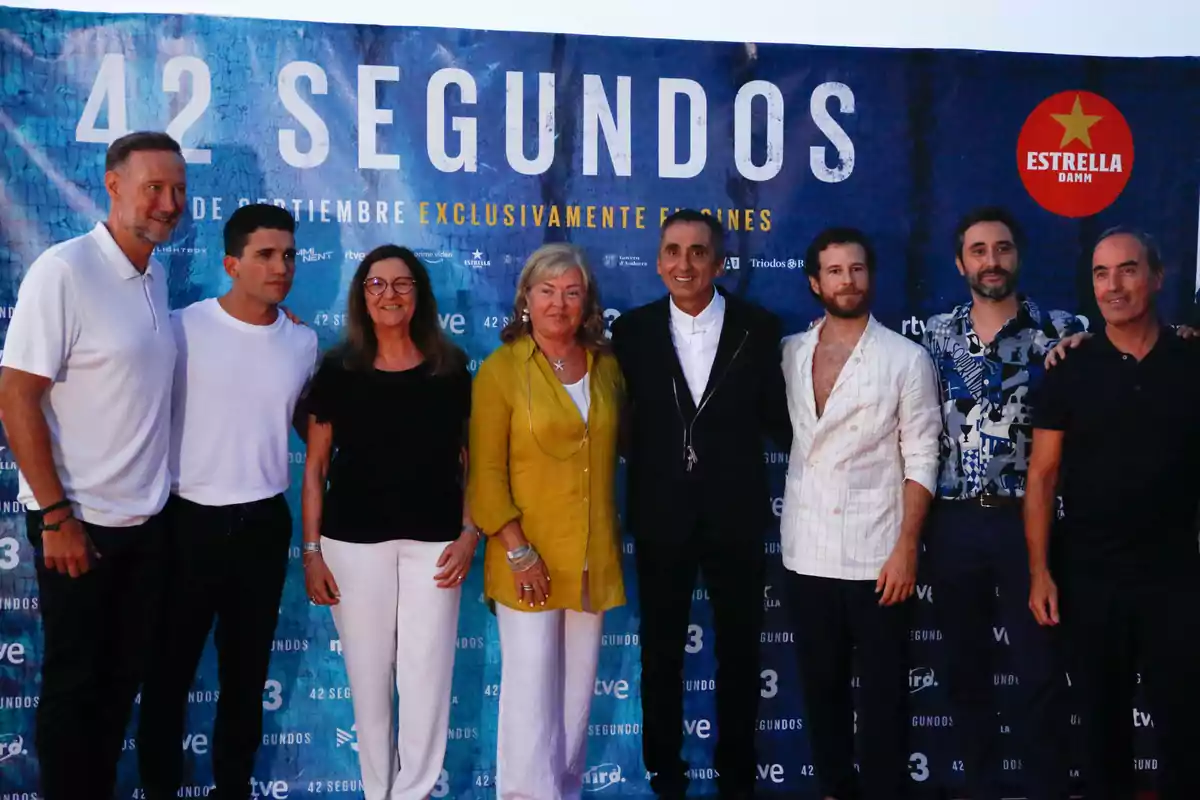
(12, 653)
(770, 772)
(700, 728)
(618, 688)
(270, 788)
(196, 742)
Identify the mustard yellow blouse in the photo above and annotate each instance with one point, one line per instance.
(533, 458)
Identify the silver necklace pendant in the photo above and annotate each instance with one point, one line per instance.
(559, 365)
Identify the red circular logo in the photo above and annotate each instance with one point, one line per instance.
(1075, 153)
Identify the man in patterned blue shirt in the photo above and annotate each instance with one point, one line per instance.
(989, 355)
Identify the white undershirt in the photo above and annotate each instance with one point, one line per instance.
(236, 386)
(580, 395)
(696, 339)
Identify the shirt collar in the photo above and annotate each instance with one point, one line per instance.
(1028, 314)
(116, 256)
(702, 322)
(1168, 340)
(813, 334)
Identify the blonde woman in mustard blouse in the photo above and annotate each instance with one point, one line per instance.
(543, 448)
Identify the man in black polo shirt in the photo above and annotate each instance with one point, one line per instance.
(1117, 431)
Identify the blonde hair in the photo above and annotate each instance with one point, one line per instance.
(547, 262)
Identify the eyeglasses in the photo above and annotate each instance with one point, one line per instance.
(377, 286)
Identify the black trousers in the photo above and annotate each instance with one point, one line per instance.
(1114, 627)
(227, 563)
(96, 631)
(979, 568)
(733, 574)
(831, 618)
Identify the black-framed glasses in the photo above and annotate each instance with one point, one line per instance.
(377, 286)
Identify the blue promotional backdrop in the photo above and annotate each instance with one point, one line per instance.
(475, 147)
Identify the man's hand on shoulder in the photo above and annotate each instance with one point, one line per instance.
(1066, 344)
(288, 313)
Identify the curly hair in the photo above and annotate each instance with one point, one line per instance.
(547, 262)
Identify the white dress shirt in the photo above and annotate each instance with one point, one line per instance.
(696, 339)
(843, 501)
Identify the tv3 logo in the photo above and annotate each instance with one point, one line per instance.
(442, 787)
(273, 695)
(10, 550)
(918, 767)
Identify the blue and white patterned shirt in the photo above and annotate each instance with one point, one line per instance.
(986, 420)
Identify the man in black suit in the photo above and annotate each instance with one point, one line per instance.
(704, 380)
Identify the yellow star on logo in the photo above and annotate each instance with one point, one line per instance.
(1076, 125)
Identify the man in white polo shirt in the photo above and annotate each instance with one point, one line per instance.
(85, 395)
(241, 368)
(864, 407)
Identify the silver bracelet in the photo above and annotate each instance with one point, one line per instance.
(311, 547)
(522, 558)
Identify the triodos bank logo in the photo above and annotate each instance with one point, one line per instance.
(1075, 154)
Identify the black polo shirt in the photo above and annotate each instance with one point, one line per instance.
(1130, 473)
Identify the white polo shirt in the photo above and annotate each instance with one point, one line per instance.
(88, 320)
(236, 385)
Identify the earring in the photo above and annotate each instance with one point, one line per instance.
(525, 316)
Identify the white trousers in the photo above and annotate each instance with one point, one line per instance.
(547, 678)
(396, 625)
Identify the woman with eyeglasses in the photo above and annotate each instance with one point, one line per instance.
(544, 424)
(388, 538)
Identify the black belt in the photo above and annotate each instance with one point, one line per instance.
(991, 501)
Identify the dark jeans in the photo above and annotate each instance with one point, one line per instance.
(831, 618)
(1114, 627)
(225, 563)
(733, 574)
(979, 567)
(96, 631)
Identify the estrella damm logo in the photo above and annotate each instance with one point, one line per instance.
(1075, 154)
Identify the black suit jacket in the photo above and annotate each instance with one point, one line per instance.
(726, 490)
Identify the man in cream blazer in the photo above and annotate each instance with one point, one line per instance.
(863, 402)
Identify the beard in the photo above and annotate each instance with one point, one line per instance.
(859, 308)
(993, 291)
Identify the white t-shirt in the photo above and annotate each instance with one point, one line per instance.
(89, 321)
(236, 386)
(580, 392)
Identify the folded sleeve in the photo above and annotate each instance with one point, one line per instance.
(44, 325)
(488, 488)
(920, 422)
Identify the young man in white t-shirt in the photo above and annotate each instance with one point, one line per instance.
(85, 398)
(241, 368)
